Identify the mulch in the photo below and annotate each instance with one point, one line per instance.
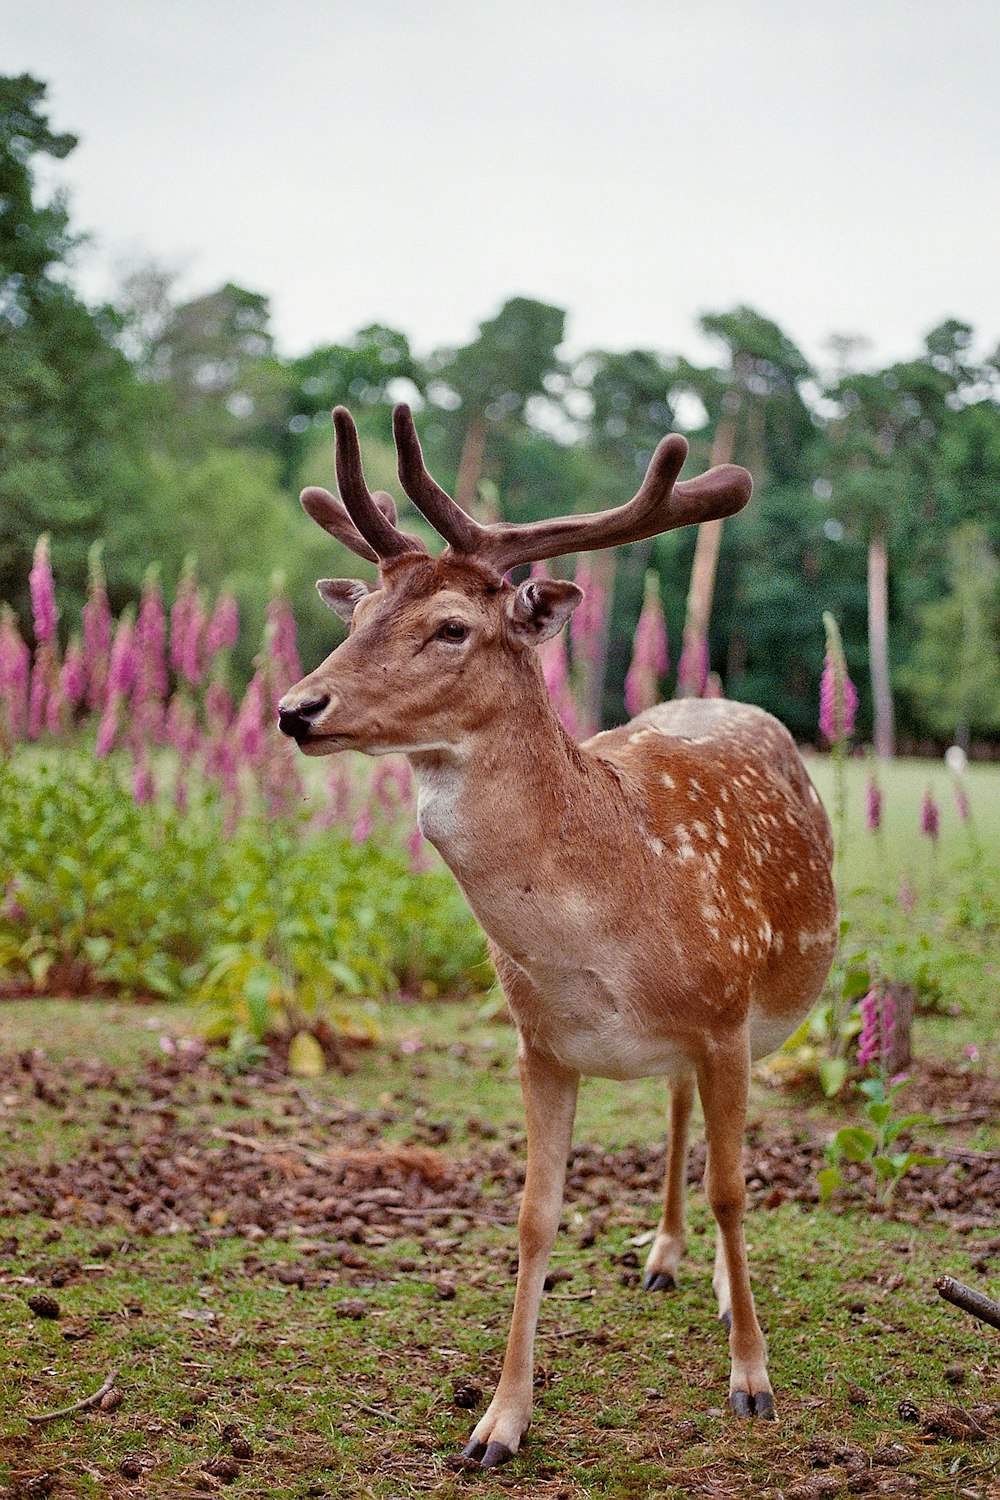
(152, 1165)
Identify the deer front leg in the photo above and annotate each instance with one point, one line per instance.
(671, 1238)
(724, 1082)
(550, 1105)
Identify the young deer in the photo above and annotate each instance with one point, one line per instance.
(658, 899)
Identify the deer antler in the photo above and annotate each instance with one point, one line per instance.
(330, 513)
(661, 504)
(363, 521)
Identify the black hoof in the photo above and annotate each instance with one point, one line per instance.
(763, 1406)
(659, 1281)
(726, 1319)
(496, 1454)
(473, 1450)
(743, 1404)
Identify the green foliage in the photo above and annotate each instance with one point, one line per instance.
(268, 927)
(954, 672)
(100, 893)
(872, 1147)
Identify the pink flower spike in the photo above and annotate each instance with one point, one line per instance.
(868, 1040)
(15, 675)
(107, 729)
(73, 678)
(151, 643)
(43, 593)
(97, 631)
(419, 863)
(364, 826)
(587, 622)
(224, 627)
(838, 698)
(124, 661)
(283, 644)
(972, 1052)
(873, 805)
(907, 896)
(143, 785)
(930, 816)
(962, 802)
(650, 660)
(38, 699)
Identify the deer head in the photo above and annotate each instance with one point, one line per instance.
(439, 644)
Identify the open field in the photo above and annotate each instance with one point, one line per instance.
(349, 1342)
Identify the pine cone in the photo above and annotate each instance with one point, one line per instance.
(44, 1306)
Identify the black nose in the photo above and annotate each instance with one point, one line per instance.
(296, 721)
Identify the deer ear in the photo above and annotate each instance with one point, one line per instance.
(342, 595)
(540, 607)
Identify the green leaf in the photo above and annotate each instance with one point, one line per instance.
(832, 1075)
(305, 1056)
(878, 1111)
(829, 1179)
(257, 991)
(857, 982)
(854, 1143)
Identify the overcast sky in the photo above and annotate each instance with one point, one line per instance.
(634, 161)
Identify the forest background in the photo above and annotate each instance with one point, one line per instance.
(169, 427)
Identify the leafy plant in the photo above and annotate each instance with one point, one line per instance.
(871, 1147)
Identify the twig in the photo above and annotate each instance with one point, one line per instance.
(571, 1296)
(374, 1411)
(970, 1301)
(67, 1411)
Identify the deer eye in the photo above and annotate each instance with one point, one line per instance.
(452, 630)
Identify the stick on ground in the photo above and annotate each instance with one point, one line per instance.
(970, 1301)
(67, 1411)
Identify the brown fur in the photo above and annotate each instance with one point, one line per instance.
(657, 899)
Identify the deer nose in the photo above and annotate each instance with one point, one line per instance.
(296, 721)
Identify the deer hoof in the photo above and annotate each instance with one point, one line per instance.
(473, 1450)
(658, 1281)
(763, 1406)
(726, 1319)
(758, 1404)
(496, 1454)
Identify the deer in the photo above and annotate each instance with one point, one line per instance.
(657, 899)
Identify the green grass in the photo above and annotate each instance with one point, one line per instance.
(204, 1334)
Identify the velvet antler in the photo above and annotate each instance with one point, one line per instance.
(661, 504)
(363, 521)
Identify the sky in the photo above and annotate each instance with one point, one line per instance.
(833, 163)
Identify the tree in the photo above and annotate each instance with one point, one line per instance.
(954, 672)
(70, 452)
(883, 459)
(489, 383)
(757, 417)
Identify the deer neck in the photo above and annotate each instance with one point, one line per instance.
(517, 806)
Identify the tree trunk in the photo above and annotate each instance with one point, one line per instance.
(702, 586)
(884, 735)
(470, 468)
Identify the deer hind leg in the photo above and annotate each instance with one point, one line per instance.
(723, 1082)
(550, 1105)
(671, 1236)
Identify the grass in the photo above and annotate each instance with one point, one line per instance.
(361, 1400)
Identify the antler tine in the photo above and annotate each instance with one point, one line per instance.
(448, 519)
(659, 505)
(330, 513)
(371, 521)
